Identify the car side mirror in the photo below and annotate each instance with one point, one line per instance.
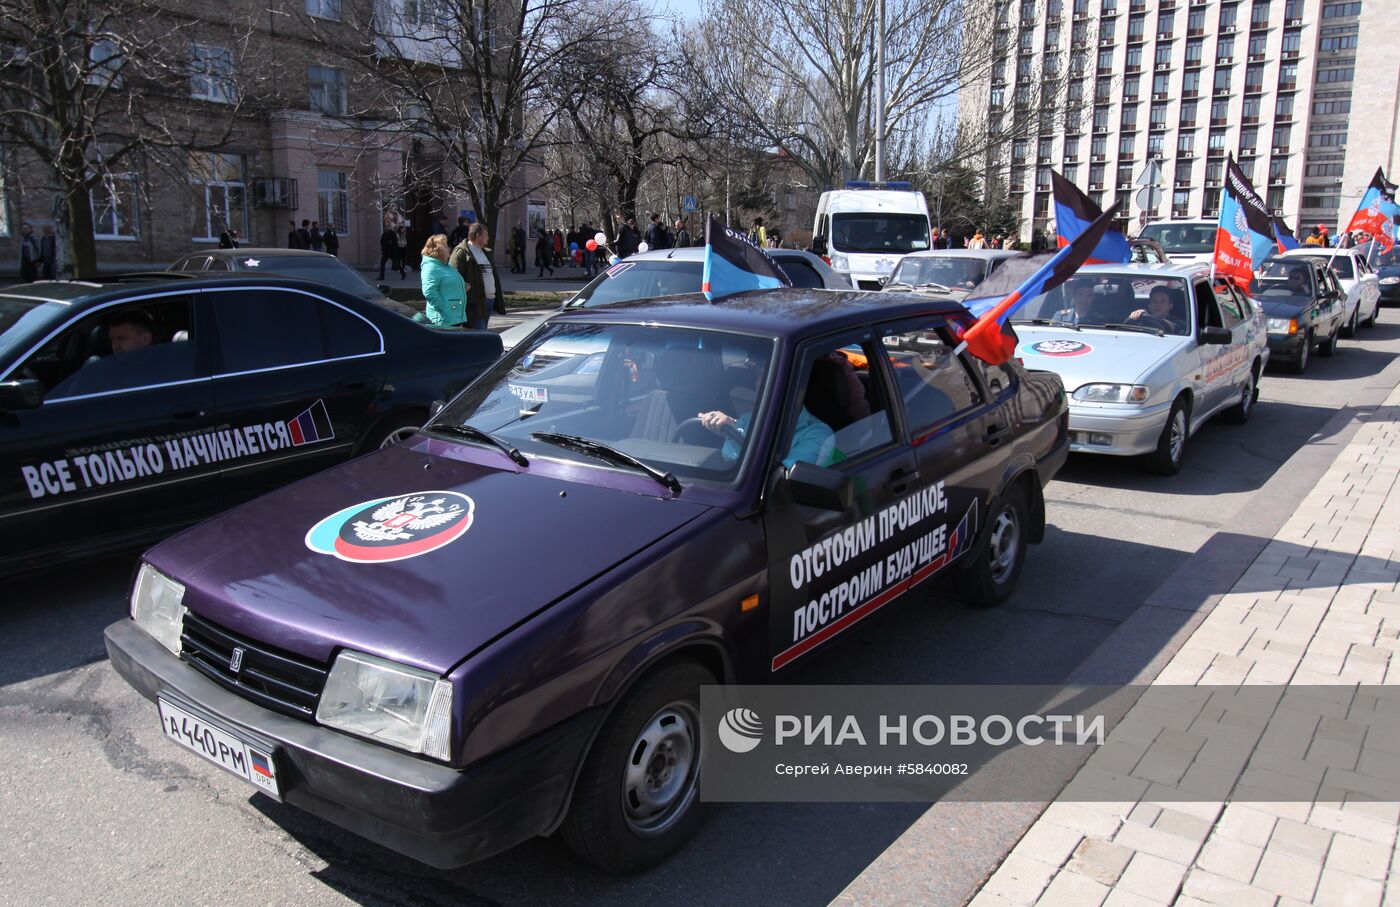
(26, 393)
(819, 244)
(816, 486)
(883, 280)
(1214, 335)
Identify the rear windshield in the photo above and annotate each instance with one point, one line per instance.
(629, 280)
(1341, 264)
(328, 271)
(879, 233)
(1181, 238)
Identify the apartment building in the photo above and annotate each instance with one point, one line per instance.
(1302, 92)
(306, 142)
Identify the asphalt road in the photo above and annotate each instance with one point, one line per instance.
(98, 807)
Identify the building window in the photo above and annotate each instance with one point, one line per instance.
(1222, 81)
(1254, 78)
(1096, 173)
(1183, 173)
(114, 207)
(211, 73)
(1259, 16)
(1155, 144)
(1126, 145)
(220, 195)
(1283, 108)
(1250, 112)
(1249, 140)
(1288, 76)
(1215, 172)
(1282, 135)
(1275, 199)
(1341, 10)
(1125, 174)
(1327, 140)
(1186, 143)
(1196, 22)
(1188, 116)
(333, 200)
(1339, 74)
(324, 9)
(1134, 61)
(1157, 118)
(1278, 168)
(1247, 168)
(105, 59)
(327, 89)
(1129, 120)
(1323, 170)
(1193, 52)
(1191, 83)
(1227, 16)
(1328, 202)
(1210, 202)
(1339, 37)
(1324, 108)
(1225, 50)
(1163, 56)
(1099, 148)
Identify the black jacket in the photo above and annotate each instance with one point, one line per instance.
(658, 237)
(626, 241)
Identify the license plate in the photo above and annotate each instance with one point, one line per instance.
(220, 747)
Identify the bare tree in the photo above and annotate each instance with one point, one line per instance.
(90, 88)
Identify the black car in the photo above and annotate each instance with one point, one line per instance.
(136, 405)
(1305, 307)
(303, 263)
(1387, 265)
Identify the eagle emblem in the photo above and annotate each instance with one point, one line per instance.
(402, 518)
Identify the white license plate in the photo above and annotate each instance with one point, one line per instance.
(219, 747)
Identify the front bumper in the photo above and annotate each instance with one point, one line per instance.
(1286, 346)
(441, 815)
(1118, 430)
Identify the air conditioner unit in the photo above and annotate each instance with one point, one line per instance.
(1227, 30)
(1294, 22)
(1163, 66)
(1278, 212)
(1278, 182)
(1100, 157)
(1224, 61)
(1160, 95)
(1280, 151)
(1256, 57)
(1105, 42)
(1248, 152)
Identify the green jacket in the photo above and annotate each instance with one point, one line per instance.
(445, 292)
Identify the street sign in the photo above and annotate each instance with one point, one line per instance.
(691, 203)
(1151, 175)
(1148, 198)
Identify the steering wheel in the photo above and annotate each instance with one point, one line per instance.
(1150, 320)
(729, 431)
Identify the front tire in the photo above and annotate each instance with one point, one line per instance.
(1170, 454)
(1300, 362)
(1349, 329)
(391, 430)
(637, 799)
(991, 578)
(1375, 313)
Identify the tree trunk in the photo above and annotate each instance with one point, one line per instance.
(82, 248)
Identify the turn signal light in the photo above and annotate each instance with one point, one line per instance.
(1292, 326)
(749, 602)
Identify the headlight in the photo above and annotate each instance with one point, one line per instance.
(388, 702)
(840, 262)
(1283, 325)
(1391, 279)
(157, 606)
(1112, 393)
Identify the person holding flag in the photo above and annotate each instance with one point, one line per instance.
(1018, 281)
(1074, 212)
(733, 264)
(1245, 235)
(1377, 211)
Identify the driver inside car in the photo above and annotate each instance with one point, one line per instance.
(1160, 310)
(808, 437)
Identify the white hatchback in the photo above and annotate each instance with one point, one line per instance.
(1358, 280)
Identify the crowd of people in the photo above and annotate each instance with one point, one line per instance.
(38, 255)
(310, 235)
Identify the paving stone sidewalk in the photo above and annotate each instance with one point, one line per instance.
(1319, 607)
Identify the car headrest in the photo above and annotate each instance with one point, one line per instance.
(828, 395)
(180, 337)
(689, 370)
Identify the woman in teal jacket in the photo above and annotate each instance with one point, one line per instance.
(443, 287)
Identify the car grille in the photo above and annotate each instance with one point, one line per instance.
(272, 678)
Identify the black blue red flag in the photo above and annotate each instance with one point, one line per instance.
(1245, 234)
(1074, 212)
(991, 337)
(734, 265)
(1283, 237)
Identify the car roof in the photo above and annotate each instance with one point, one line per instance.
(1317, 252)
(263, 252)
(788, 312)
(1148, 269)
(984, 254)
(100, 289)
(697, 253)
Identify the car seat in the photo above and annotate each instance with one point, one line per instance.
(689, 381)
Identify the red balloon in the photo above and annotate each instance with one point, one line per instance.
(591, 245)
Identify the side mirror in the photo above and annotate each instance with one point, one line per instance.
(884, 280)
(816, 486)
(25, 393)
(819, 244)
(1215, 336)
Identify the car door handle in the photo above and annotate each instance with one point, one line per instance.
(352, 385)
(900, 480)
(186, 413)
(997, 433)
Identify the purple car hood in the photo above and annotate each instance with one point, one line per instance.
(514, 546)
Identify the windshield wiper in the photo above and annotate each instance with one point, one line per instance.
(602, 451)
(1140, 328)
(475, 434)
(1036, 321)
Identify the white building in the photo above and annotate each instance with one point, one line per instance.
(1302, 92)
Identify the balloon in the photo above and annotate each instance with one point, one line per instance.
(642, 247)
(591, 245)
(600, 238)
(613, 259)
(573, 247)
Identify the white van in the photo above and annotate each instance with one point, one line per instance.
(864, 231)
(1184, 241)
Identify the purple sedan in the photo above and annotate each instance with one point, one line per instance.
(499, 628)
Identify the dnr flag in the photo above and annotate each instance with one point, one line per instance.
(1245, 234)
(735, 265)
(1074, 212)
(1283, 237)
(991, 338)
(1376, 212)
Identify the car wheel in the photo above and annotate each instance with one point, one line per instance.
(1166, 460)
(1300, 362)
(1239, 413)
(1349, 329)
(1375, 314)
(991, 577)
(637, 799)
(1328, 347)
(391, 431)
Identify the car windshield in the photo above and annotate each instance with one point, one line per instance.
(1283, 280)
(629, 280)
(1341, 264)
(328, 271)
(1122, 302)
(946, 270)
(1181, 238)
(638, 389)
(879, 233)
(12, 310)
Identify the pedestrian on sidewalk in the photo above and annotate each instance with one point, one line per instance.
(473, 263)
(757, 234)
(293, 235)
(48, 254)
(542, 252)
(657, 236)
(304, 234)
(459, 233)
(332, 242)
(682, 234)
(28, 255)
(627, 238)
(388, 249)
(401, 232)
(316, 242)
(517, 252)
(443, 288)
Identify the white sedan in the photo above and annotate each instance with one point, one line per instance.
(1358, 280)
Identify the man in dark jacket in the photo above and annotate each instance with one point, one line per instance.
(304, 234)
(293, 236)
(331, 241)
(388, 248)
(657, 237)
(517, 253)
(627, 239)
(48, 254)
(28, 254)
(459, 234)
(682, 234)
